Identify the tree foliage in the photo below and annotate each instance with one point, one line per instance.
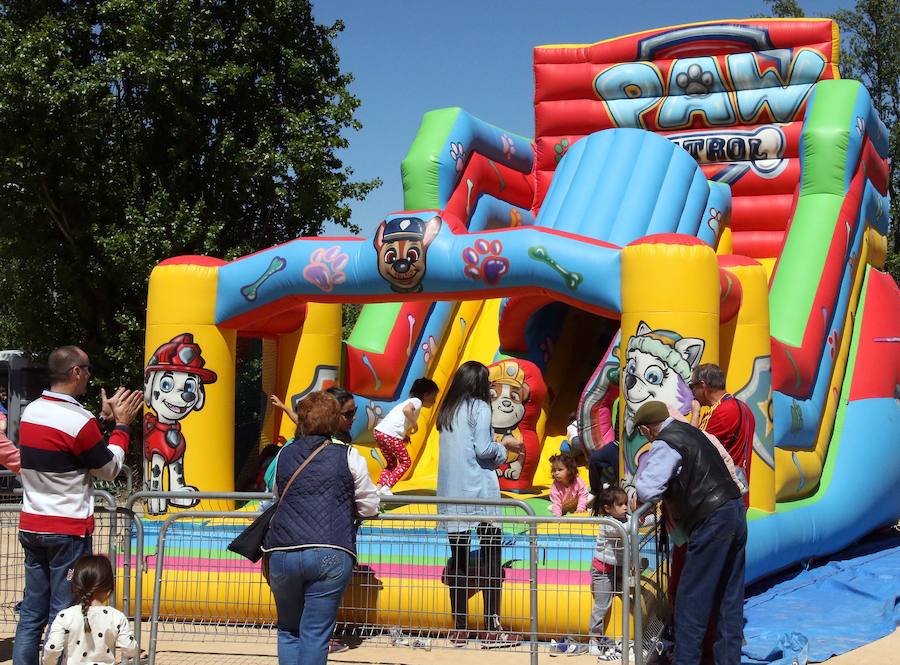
(135, 130)
(870, 52)
(785, 9)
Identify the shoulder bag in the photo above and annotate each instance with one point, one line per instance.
(249, 542)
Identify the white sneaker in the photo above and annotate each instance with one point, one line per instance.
(384, 490)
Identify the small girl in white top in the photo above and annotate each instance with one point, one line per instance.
(393, 432)
(606, 570)
(90, 632)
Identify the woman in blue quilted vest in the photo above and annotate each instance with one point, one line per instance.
(311, 542)
(466, 468)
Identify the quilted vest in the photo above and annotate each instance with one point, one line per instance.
(703, 484)
(317, 510)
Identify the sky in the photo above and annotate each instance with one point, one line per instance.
(409, 57)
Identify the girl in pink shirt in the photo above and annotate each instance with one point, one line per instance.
(569, 493)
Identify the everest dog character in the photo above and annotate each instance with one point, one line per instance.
(173, 388)
(509, 394)
(402, 244)
(658, 366)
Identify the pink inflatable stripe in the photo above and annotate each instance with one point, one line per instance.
(551, 577)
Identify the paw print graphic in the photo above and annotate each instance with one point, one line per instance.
(374, 414)
(428, 349)
(715, 220)
(458, 154)
(833, 343)
(484, 263)
(515, 218)
(560, 149)
(546, 347)
(695, 81)
(325, 269)
(509, 148)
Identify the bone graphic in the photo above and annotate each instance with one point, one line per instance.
(469, 184)
(412, 322)
(249, 291)
(368, 363)
(572, 279)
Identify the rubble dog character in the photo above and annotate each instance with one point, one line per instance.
(658, 366)
(509, 394)
(402, 244)
(174, 382)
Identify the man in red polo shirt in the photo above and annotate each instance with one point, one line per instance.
(728, 419)
(61, 449)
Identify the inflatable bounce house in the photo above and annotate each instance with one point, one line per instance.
(710, 192)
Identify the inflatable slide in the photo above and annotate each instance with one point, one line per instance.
(702, 193)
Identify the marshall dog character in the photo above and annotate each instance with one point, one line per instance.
(658, 366)
(402, 244)
(517, 392)
(173, 388)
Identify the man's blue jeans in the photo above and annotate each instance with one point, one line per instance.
(48, 559)
(308, 585)
(712, 584)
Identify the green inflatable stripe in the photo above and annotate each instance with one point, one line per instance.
(420, 191)
(822, 193)
(835, 442)
(419, 169)
(374, 326)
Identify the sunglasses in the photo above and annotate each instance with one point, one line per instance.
(88, 367)
(349, 414)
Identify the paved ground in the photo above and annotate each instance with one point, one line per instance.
(882, 652)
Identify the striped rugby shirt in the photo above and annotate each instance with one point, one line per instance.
(62, 448)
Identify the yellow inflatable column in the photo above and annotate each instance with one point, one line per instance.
(746, 358)
(670, 324)
(309, 359)
(188, 426)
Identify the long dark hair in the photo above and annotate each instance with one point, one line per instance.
(92, 577)
(469, 382)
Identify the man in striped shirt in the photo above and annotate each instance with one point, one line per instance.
(62, 449)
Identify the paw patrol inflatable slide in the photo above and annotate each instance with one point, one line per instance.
(702, 193)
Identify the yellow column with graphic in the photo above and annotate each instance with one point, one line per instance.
(309, 359)
(746, 359)
(670, 324)
(188, 425)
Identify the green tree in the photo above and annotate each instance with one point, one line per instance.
(870, 44)
(785, 9)
(135, 130)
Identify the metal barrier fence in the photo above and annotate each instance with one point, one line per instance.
(174, 570)
(107, 539)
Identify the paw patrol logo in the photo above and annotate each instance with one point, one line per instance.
(760, 151)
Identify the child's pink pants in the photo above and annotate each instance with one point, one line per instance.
(396, 457)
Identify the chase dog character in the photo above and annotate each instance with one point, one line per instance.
(658, 366)
(173, 388)
(402, 244)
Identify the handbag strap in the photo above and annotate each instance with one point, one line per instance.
(300, 468)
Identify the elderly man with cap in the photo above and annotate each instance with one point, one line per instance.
(684, 470)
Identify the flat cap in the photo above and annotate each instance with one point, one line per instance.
(651, 413)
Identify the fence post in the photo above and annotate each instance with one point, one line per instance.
(533, 588)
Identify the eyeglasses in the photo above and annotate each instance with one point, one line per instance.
(349, 414)
(89, 367)
(694, 384)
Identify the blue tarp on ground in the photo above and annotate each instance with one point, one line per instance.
(826, 610)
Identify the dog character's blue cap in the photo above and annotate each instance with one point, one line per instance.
(404, 228)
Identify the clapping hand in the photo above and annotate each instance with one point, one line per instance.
(126, 406)
(106, 412)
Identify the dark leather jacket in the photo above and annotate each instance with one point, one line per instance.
(703, 484)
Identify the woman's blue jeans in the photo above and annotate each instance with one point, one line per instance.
(308, 585)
